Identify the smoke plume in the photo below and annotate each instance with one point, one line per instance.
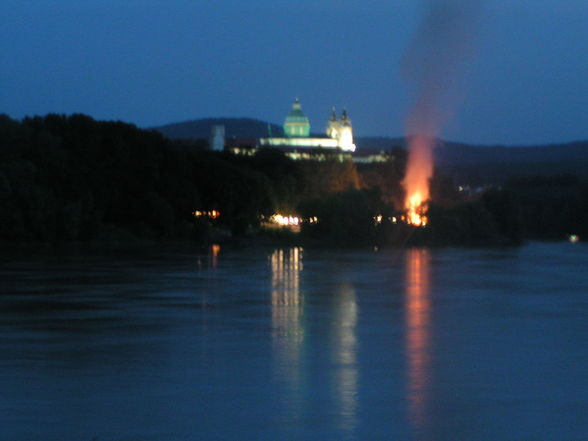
(433, 63)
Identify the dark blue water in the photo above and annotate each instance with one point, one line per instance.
(293, 344)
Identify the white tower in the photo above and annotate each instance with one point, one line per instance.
(217, 138)
(333, 125)
(345, 133)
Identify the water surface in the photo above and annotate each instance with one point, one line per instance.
(295, 344)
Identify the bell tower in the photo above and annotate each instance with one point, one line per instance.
(345, 134)
(333, 125)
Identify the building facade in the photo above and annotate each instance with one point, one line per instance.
(339, 132)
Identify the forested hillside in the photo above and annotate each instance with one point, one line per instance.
(74, 178)
(71, 178)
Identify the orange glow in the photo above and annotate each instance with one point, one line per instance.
(214, 252)
(212, 214)
(418, 324)
(419, 170)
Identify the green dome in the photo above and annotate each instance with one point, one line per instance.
(296, 115)
(296, 123)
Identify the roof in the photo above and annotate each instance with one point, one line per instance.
(296, 114)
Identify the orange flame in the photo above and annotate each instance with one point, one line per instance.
(419, 170)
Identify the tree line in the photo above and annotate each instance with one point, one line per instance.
(74, 178)
(71, 178)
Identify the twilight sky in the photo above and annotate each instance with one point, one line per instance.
(152, 62)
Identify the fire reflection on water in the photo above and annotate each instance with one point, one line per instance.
(214, 252)
(418, 333)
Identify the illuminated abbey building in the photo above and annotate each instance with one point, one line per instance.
(298, 144)
(338, 136)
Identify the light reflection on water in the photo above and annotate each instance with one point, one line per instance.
(287, 327)
(288, 336)
(298, 345)
(418, 334)
(287, 302)
(344, 355)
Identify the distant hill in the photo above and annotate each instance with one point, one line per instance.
(491, 164)
(477, 164)
(465, 162)
(234, 127)
(452, 153)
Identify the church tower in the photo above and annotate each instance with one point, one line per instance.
(333, 125)
(296, 123)
(345, 134)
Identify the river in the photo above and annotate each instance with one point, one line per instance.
(295, 344)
